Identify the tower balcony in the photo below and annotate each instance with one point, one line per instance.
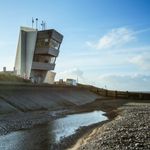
(47, 51)
(42, 66)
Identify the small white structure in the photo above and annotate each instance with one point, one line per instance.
(71, 82)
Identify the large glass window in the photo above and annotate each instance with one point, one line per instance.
(41, 58)
(52, 60)
(44, 59)
(42, 43)
(46, 42)
(54, 44)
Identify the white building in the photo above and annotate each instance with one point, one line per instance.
(36, 54)
(71, 82)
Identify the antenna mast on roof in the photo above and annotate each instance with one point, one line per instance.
(43, 24)
(36, 23)
(32, 22)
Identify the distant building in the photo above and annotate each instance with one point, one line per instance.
(71, 82)
(7, 71)
(4, 69)
(61, 81)
(36, 54)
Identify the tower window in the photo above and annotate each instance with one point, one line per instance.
(54, 44)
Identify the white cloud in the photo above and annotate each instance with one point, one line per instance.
(143, 61)
(77, 72)
(125, 82)
(130, 82)
(142, 31)
(114, 38)
(73, 73)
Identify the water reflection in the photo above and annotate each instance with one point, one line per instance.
(44, 137)
(32, 139)
(68, 125)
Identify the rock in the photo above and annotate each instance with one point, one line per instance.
(129, 131)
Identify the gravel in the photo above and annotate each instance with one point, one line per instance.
(19, 121)
(129, 131)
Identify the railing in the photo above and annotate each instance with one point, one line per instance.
(121, 94)
(42, 66)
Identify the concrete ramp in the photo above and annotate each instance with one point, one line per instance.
(31, 98)
(6, 107)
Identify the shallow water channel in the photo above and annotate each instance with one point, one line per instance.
(42, 137)
(68, 125)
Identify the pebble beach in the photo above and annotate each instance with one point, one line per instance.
(130, 130)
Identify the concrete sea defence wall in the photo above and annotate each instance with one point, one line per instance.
(28, 97)
(121, 94)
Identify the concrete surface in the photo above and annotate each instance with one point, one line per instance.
(31, 98)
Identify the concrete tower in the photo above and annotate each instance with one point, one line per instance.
(36, 54)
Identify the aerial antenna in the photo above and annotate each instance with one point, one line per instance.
(45, 25)
(36, 23)
(32, 22)
(42, 24)
(77, 78)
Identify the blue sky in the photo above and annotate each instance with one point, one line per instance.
(106, 42)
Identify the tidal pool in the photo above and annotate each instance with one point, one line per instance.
(43, 137)
(64, 127)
